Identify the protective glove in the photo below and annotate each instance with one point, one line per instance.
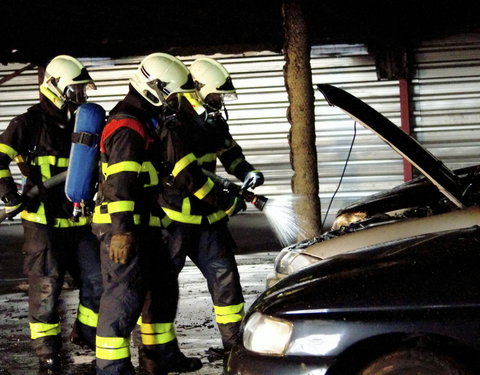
(253, 179)
(122, 247)
(238, 204)
(13, 204)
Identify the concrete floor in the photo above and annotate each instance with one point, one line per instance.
(196, 328)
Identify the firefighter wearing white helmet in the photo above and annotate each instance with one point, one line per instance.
(160, 75)
(141, 147)
(39, 141)
(66, 80)
(213, 83)
(200, 232)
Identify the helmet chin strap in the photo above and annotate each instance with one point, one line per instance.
(225, 111)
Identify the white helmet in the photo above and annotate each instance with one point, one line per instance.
(66, 79)
(160, 75)
(210, 77)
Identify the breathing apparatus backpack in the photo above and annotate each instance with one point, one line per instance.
(82, 172)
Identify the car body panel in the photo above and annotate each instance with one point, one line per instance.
(383, 233)
(394, 231)
(427, 285)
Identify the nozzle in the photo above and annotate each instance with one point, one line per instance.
(259, 201)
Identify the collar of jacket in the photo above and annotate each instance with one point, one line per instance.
(57, 116)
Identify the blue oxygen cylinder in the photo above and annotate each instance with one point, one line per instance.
(82, 172)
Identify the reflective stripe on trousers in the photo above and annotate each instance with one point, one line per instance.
(157, 333)
(229, 314)
(112, 348)
(87, 316)
(38, 330)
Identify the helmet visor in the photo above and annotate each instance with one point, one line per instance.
(188, 86)
(215, 99)
(76, 94)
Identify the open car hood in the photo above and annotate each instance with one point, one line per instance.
(431, 167)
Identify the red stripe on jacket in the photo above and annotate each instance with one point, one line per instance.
(115, 124)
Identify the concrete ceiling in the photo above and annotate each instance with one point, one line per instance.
(34, 31)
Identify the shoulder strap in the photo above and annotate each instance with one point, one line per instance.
(125, 121)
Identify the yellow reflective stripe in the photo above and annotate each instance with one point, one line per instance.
(87, 316)
(230, 209)
(19, 159)
(166, 221)
(216, 216)
(5, 173)
(183, 163)
(120, 206)
(234, 165)
(112, 348)
(182, 218)
(157, 221)
(152, 173)
(104, 218)
(155, 328)
(186, 206)
(192, 219)
(205, 189)
(124, 166)
(229, 314)
(154, 221)
(157, 333)
(207, 158)
(9, 151)
(40, 218)
(104, 167)
(50, 160)
(45, 170)
(38, 330)
(231, 309)
(62, 162)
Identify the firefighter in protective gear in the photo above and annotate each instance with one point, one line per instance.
(39, 142)
(200, 232)
(139, 280)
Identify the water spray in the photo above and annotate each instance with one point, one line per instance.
(259, 201)
(279, 210)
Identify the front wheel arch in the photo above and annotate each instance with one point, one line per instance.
(415, 362)
(362, 353)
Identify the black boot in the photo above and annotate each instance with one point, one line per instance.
(217, 354)
(164, 358)
(148, 363)
(49, 364)
(77, 337)
(179, 362)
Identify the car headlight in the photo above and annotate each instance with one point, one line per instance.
(288, 261)
(267, 335)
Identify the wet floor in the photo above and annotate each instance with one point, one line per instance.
(196, 328)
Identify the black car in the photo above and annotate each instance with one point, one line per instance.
(405, 304)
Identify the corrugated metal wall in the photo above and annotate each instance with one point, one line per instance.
(446, 99)
(258, 118)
